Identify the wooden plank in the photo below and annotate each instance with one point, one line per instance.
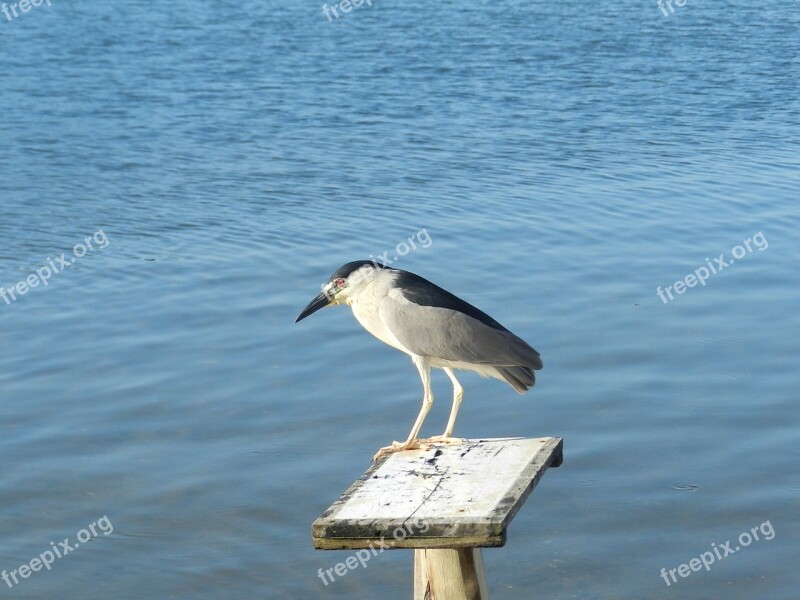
(445, 496)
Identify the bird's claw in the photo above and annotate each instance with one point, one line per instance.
(423, 443)
(395, 447)
(443, 439)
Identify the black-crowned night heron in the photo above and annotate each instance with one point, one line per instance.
(434, 327)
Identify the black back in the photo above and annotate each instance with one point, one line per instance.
(423, 292)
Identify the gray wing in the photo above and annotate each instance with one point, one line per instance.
(449, 334)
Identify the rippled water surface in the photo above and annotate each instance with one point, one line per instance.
(564, 159)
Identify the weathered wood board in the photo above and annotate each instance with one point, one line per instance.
(445, 496)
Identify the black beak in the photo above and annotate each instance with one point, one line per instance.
(321, 301)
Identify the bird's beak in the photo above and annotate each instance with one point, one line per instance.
(321, 301)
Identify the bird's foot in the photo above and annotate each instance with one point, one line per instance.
(442, 439)
(395, 447)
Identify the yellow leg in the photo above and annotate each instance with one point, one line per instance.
(458, 396)
(412, 443)
(447, 436)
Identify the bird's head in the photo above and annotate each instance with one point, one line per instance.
(343, 286)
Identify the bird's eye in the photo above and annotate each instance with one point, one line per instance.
(339, 283)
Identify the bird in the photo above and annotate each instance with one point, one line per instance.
(435, 328)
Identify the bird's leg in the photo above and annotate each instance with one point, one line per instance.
(458, 396)
(412, 443)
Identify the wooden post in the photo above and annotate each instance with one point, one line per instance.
(445, 574)
(446, 502)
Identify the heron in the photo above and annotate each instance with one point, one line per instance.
(435, 328)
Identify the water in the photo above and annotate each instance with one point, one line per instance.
(565, 159)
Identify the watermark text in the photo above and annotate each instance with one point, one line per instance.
(718, 552)
(48, 557)
(362, 556)
(23, 5)
(701, 274)
(44, 273)
(345, 6)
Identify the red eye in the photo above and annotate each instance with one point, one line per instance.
(339, 282)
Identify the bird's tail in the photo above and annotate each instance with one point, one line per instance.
(520, 378)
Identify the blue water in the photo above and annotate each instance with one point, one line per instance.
(565, 159)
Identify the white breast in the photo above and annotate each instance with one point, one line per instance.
(365, 309)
